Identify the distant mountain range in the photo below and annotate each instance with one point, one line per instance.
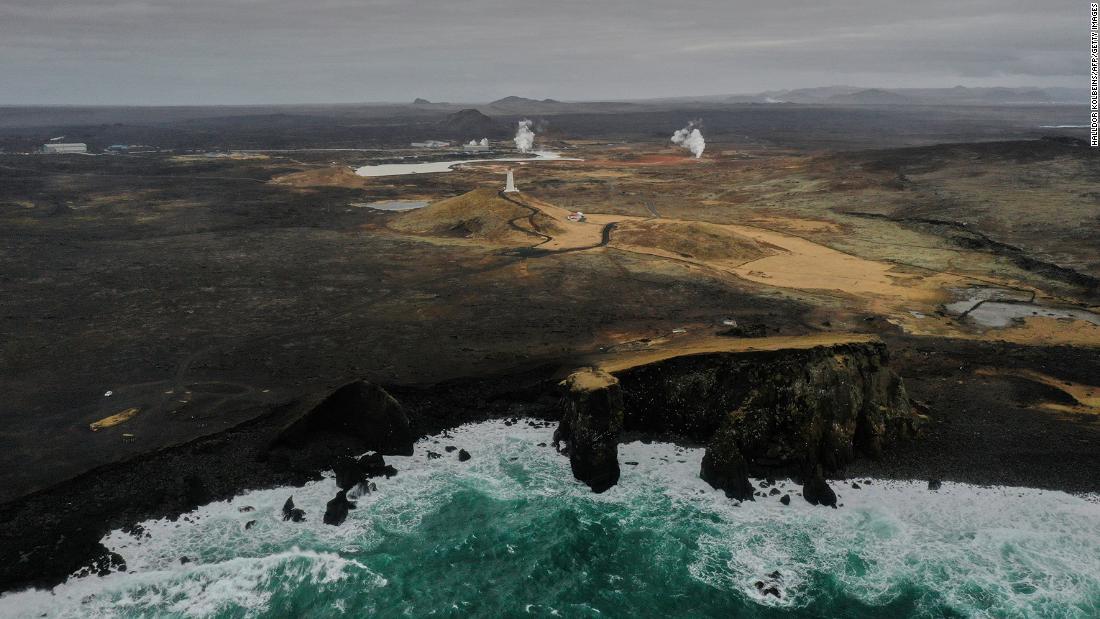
(823, 95)
(523, 105)
(959, 95)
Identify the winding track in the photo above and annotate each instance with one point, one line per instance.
(534, 251)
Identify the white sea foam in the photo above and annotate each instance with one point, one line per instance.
(992, 551)
(190, 590)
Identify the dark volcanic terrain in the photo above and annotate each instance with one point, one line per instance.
(163, 313)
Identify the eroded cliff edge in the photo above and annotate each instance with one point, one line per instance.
(802, 413)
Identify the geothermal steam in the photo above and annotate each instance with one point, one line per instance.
(690, 138)
(525, 138)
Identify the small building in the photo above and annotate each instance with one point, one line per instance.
(58, 148)
(430, 144)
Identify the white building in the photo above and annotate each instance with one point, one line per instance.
(57, 148)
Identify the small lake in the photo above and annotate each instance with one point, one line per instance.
(998, 308)
(430, 167)
(999, 314)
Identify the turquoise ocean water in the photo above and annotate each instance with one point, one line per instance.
(511, 534)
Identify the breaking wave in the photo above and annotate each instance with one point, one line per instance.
(511, 533)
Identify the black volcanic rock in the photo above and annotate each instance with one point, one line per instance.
(336, 510)
(591, 423)
(292, 513)
(348, 472)
(103, 565)
(783, 412)
(374, 465)
(463, 455)
(724, 467)
(816, 491)
(359, 410)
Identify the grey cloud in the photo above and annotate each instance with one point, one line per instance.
(281, 51)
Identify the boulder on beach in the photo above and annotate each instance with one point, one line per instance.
(816, 491)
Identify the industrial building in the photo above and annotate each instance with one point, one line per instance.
(58, 148)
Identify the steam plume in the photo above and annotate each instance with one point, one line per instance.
(525, 138)
(690, 138)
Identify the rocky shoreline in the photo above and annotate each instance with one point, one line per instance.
(56, 532)
(809, 414)
(804, 414)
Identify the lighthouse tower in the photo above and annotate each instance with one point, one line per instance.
(510, 184)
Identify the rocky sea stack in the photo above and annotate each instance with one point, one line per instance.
(592, 419)
(800, 413)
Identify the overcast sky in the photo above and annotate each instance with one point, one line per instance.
(290, 51)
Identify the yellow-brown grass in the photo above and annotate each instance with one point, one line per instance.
(323, 177)
(700, 240)
(480, 214)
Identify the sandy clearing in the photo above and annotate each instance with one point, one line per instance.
(1087, 396)
(799, 263)
(1048, 331)
(797, 225)
(616, 362)
(811, 266)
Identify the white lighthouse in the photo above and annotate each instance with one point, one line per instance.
(510, 184)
